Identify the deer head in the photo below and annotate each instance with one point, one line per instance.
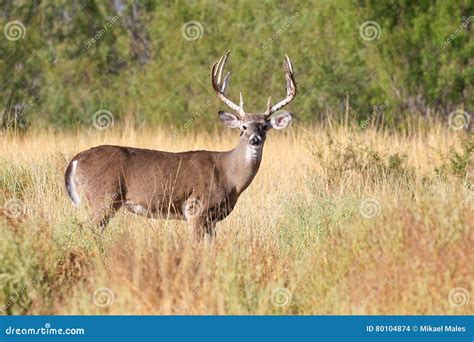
(253, 127)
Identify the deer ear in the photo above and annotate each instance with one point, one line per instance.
(230, 120)
(281, 120)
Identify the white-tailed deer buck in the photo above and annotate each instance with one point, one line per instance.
(200, 187)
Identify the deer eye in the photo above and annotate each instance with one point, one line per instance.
(244, 127)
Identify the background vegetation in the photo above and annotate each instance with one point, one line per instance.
(419, 64)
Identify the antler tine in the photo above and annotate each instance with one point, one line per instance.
(288, 62)
(225, 82)
(290, 88)
(269, 106)
(220, 70)
(218, 63)
(220, 84)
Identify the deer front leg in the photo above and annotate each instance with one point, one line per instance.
(194, 214)
(203, 231)
(202, 228)
(198, 228)
(197, 224)
(210, 229)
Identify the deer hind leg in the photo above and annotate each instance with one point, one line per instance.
(101, 217)
(103, 209)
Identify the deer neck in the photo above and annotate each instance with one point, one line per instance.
(242, 165)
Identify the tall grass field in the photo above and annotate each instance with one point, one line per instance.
(339, 220)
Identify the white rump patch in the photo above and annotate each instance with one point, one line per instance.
(71, 185)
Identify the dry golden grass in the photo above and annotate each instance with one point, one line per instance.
(299, 226)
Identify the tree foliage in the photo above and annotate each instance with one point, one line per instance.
(137, 59)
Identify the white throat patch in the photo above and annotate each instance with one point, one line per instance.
(252, 153)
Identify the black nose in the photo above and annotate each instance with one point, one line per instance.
(255, 140)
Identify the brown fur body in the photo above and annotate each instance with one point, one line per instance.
(194, 186)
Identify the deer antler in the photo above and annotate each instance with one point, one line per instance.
(220, 84)
(290, 89)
